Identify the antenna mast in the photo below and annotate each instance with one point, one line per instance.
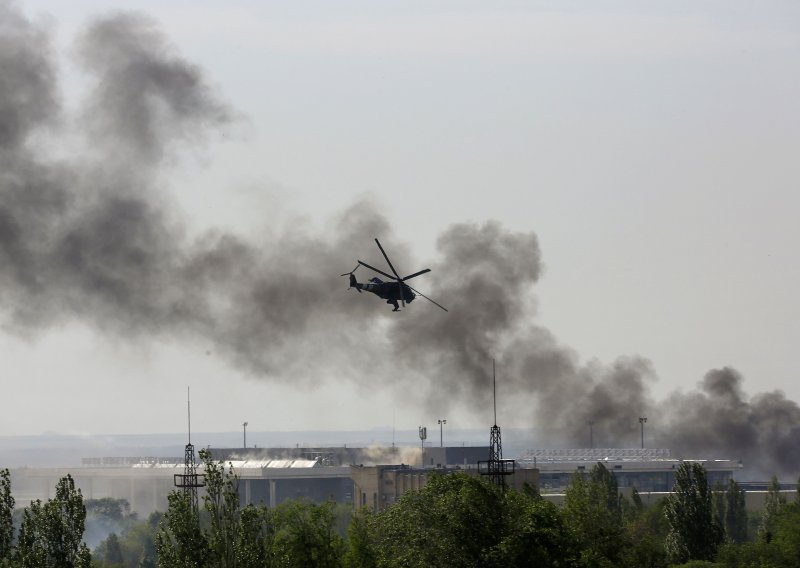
(494, 392)
(189, 480)
(496, 468)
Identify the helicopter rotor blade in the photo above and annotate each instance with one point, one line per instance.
(348, 273)
(362, 263)
(416, 274)
(427, 298)
(389, 262)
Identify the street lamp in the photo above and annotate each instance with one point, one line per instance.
(442, 422)
(423, 435)
(244, 434)
(642, 420)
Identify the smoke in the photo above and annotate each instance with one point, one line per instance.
(95, 238)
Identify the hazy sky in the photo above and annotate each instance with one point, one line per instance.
(651, 147)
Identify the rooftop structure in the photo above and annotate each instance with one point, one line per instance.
(646, 469)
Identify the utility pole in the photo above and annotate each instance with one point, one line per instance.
(642, 420)
(442, 422)
(244, 435)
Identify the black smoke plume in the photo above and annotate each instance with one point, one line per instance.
(93, 237)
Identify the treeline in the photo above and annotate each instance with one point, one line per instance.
(455, 520)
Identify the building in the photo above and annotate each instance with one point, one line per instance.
(646, 470)
(146, 483)
(378, 486)
(371, 477)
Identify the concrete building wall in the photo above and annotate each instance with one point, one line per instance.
(377, 487)
(146, 489)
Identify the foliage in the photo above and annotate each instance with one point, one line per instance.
(758, 554)
(6, 516)
(451, 521)
(735, 513)
(787, 533)
(773, 504)
(179, 541)
(593, 513)
(534, 534)
(51, 533)
(645, 535)
(461, 520)
(113, 554)
(305, 535)
(221, 502)
(135, 545)
(718, 503)
(296, 533)
(694, 532)
(360, 552)
(254, 537)
(106, 516)
(782, 550)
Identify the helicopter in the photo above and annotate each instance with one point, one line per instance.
(389, 291)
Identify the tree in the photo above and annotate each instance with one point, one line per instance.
(694, 532)
(179, 541)
(104, 517)
(454, 520)
(787, 534)
(51, 533)
(305, 535)
(113, 552)
(360, 553)
(773, 504)
(229, 536)
(6, 516)
(735, 512)
(534, 534)
(221, 502)
(718, 503)
(593, 513)
(645, 535)
(254, 537)
(462, 520)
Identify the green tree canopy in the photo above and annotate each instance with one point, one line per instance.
(461, 520)
(694, 532)
(592, 511)
(773, 504)
(51, 533)
(6, 516)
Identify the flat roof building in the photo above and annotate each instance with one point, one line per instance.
(647, 470)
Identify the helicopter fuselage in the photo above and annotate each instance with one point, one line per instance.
(389, 291)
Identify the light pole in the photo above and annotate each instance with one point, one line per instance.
(591, 434)
(442, 422)
(423, 435)
(642, 420)
(244, 434)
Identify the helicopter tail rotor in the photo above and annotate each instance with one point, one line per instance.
(353, 281)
